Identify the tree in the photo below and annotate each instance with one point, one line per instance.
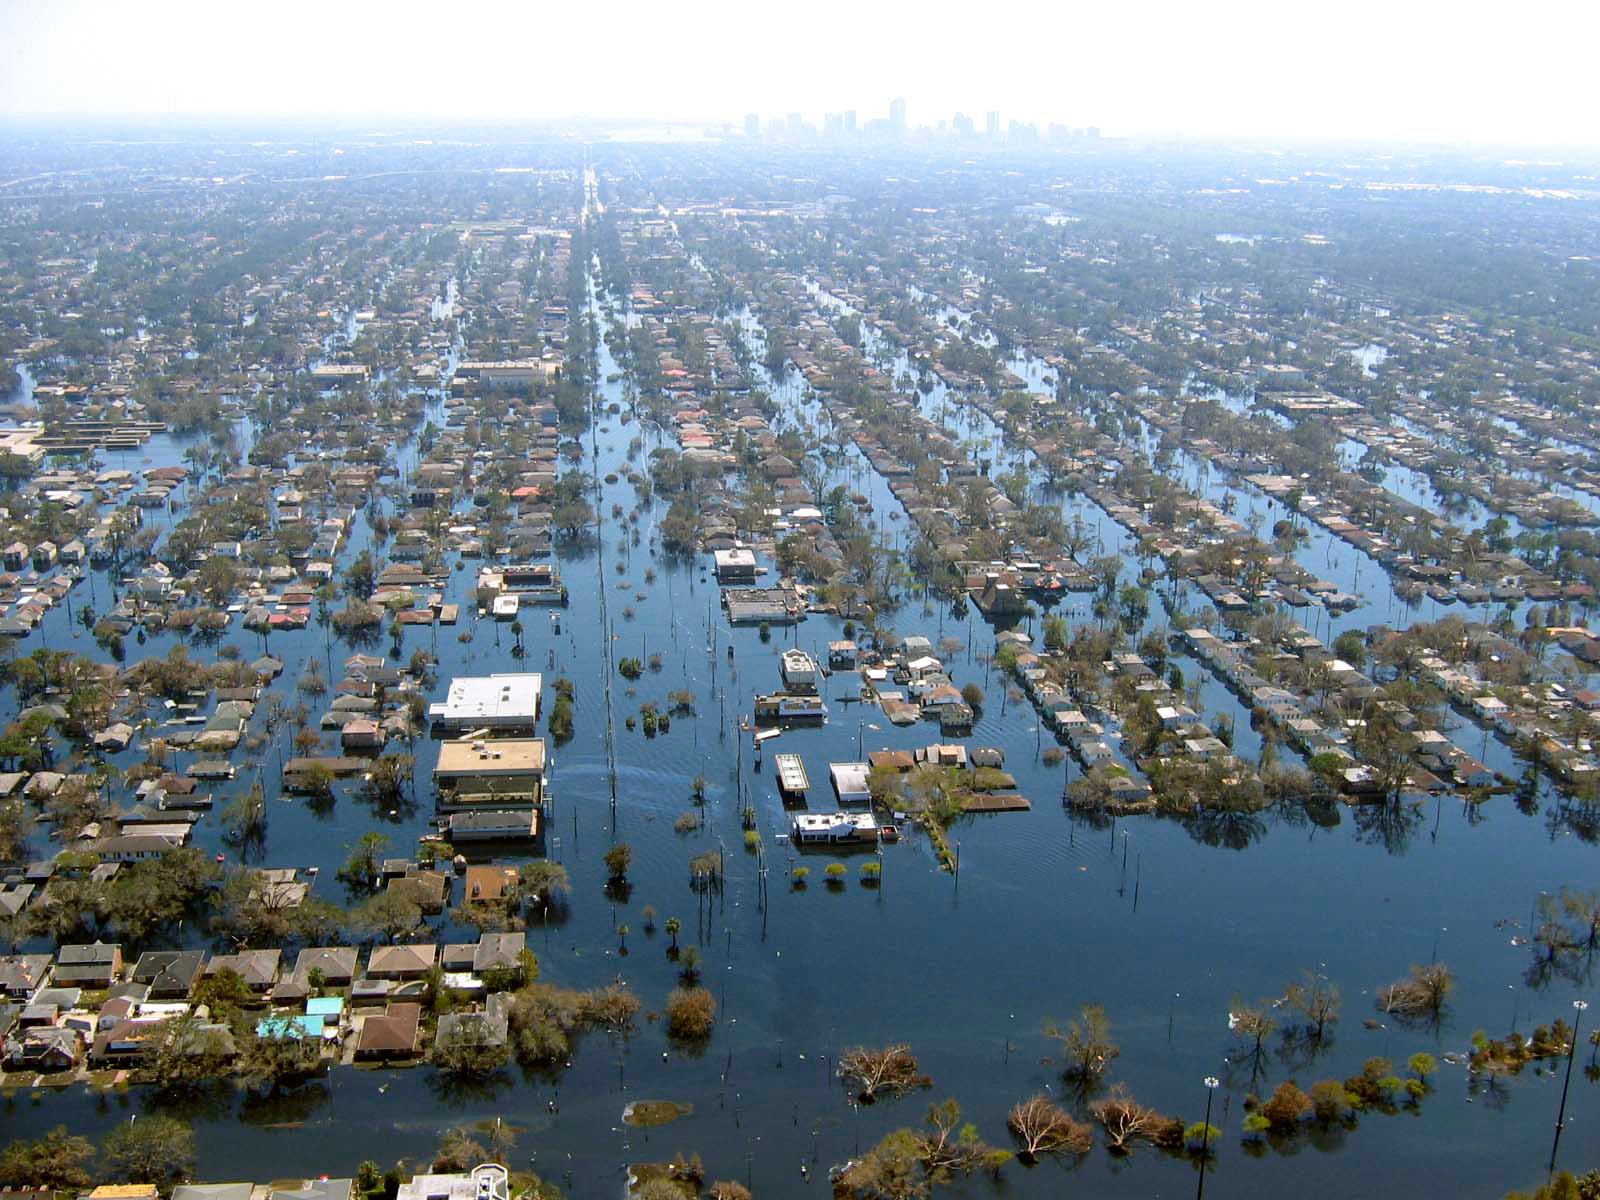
(391, 914)
(58, 1162)
(691, 1013)
(891, 1170)
(154, 1149)
(672, 926)
(1287, 1108)
(952, 1146)
(1351, 647)
(361, 577)
(1086, 1045)
(218, 578)
(541, 880)
(1200, 1137)
(891, 1070)
(689, 964)
(386, 781)
(363, 868)
(1057, 633)
(245, 817)
(1042, 1126)
(1422, 1065)
(158, 892)
(458, 1151)
(1564, 1187)
(972, 694)
(468, 1048)
(316, 780)
(1330, 1102)
(279, 1058)
(1317, 1003)
(728, 1189)
(1126, 1121)
(1252, 1025)
(1422, 994)
(617, 860)
(188, 1053)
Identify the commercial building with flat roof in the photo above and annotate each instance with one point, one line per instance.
(737, 565)
(482, 773)
(509, 372)
(503, 701)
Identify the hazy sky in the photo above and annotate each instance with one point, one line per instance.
(1453, 70)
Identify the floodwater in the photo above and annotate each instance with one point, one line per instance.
(1163, 922)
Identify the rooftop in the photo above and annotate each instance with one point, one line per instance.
(504, 756)
(490, 700)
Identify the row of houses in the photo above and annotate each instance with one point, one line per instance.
(84, 1003)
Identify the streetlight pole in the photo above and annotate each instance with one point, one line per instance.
(1578, 1007)
(1211, 1082)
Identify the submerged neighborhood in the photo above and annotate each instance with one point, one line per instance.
(509, 665)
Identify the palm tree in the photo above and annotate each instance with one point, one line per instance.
(672, 926)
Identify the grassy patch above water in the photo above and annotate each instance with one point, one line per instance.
(647, 1114)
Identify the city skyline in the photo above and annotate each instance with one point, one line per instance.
(897, 124)
(1242, 70)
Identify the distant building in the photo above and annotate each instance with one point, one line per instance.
(509, 373)
(897, 116)
(332, 374)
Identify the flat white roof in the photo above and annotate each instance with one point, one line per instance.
(508, 699)
(850, 778)
(822, 822)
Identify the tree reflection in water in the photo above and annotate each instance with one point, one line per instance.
(1232, 829)
(1390, 824)
(285, 1106)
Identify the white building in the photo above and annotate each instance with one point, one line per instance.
(490, 1181)
(737, 565)
(799, 671)
(509, 372)
(507, 701)
(835, 827)
(850, 782)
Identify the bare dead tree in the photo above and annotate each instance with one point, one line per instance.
(1043, 1127)
(891, 1070)
(1252, 1025)
(1317, 1002)
(1422, 994)
(1126, 1121)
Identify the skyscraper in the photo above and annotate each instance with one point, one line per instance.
(752, 126)
(850, 121)
(991, 125)
(897, 115)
